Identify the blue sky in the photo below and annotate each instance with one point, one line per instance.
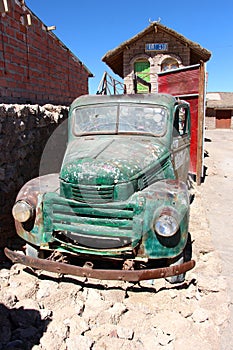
(91, 28)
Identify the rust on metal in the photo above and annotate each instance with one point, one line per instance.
(87, 271)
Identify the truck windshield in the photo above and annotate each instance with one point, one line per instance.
(120, 119)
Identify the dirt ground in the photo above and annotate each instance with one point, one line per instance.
(217, 194)
(42, 311)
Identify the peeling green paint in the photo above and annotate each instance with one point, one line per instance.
(113, 186)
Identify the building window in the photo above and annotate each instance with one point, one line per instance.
(169, 64)
(181, 125)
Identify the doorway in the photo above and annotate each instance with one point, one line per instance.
(223, 119)
(142, 70)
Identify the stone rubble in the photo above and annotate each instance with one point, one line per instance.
(29, 136)
(42, 311)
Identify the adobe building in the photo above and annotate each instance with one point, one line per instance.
(219, 110)
(35, 66)
(154, 50)
(159, 59)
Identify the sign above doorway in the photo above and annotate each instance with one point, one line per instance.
(156, 47)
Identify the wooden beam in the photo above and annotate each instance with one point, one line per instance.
(201, 116)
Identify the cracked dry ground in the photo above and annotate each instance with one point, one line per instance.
(44, 311)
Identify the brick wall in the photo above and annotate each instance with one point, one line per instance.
(35, 66)
(210, 118)
(176, 49)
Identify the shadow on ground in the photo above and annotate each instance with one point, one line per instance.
(20, 329)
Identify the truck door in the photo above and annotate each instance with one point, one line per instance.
(188, 83)
(181, 142)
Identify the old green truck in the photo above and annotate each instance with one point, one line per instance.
(119, 208)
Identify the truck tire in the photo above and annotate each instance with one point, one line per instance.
(186, 256)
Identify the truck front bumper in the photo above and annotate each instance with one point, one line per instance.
(102, 274)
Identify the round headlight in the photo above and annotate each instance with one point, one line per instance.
(166, 225)
(22, 211)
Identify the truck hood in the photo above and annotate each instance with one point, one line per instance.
(107, 161)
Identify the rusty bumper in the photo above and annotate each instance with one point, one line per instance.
(102, 274)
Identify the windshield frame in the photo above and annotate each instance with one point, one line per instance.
(117, 121)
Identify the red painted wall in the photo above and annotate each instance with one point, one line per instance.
(35, 66)
(185, 82)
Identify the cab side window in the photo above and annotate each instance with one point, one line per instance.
(180, 127)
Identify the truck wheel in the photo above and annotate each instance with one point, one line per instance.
(186, 256)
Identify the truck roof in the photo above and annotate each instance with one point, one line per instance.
(151, 98)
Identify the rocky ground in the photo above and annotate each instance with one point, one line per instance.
(43, 311)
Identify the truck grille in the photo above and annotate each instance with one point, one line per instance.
(92, 194)
(88, 193)
(97, 226)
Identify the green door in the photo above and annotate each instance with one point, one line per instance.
(142, 69)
